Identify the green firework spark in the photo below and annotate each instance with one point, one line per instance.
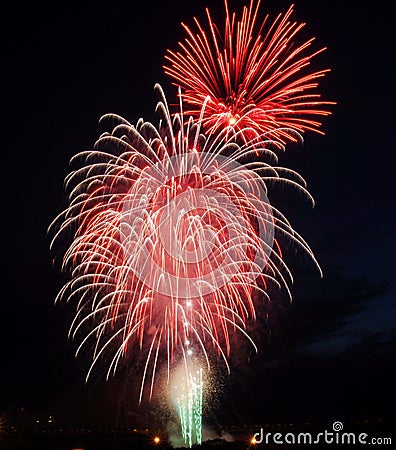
(189, 407)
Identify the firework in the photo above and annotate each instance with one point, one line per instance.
(168, 236)
(187, 395)
(169, 239)
(256, 76)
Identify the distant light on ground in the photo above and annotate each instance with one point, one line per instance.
(157, 440)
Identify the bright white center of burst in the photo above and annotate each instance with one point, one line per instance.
(232, 120)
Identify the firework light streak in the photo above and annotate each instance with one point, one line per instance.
(187, 395)
(168, 237)
(257, 77)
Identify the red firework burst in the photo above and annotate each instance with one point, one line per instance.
(170, 238)
(256, 78)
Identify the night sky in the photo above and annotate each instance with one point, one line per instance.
(331, 354)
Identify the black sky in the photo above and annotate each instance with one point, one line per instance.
(332, 352)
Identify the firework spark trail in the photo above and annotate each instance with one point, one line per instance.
(170, 236)
(257, 77)
(187, 394)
